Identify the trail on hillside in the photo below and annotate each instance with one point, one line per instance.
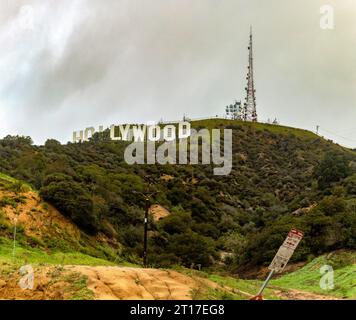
(124, 283)
(293, 294)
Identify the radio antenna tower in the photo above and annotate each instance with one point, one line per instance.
(249, 112)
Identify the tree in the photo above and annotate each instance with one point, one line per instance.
(331, 169)
(192, 248)
(350, 184)
(176, 223)
(72, 200)
(17, 141)
(52, 144)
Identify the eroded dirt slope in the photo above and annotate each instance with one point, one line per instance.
(103, 283)
(136, 283)
(121, 283)
(39, 219)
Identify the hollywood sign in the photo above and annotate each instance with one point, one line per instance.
(149, 132)
(173, 147)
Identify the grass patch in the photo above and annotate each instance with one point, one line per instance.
(15, 185)
(25, 255)
(248, 286)
(277, 129)
(231, 288)
(308, 277)
(78, 286)
(7, 178)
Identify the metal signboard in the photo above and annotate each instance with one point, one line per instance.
(281, 259)
(286, 251)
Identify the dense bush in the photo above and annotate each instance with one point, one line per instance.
(72, 199)
(333, 168)
(192, 249)
(350, 184)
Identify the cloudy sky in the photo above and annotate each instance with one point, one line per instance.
(69, 64)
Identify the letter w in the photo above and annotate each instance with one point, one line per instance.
(139, 133)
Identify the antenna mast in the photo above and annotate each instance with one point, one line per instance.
(249, 112)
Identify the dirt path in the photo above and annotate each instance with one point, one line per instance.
(123, 283)
(293, 294)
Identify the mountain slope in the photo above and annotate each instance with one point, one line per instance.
(30, 228)
(50, 243)
(279, 179)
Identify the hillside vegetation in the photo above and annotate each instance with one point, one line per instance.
(281, 178)
(33, 230)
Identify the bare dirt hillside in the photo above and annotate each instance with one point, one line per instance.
(37, 218)
(136, 283)
(158, 212)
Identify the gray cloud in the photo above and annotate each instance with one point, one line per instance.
(73, 63)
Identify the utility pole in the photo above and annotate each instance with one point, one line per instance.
(146, 196)
(147, 200)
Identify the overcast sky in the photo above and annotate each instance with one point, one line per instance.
(69, 64)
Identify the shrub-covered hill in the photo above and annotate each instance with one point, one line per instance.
(281, 177)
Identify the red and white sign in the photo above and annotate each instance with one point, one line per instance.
(286, 251)
(293, 239)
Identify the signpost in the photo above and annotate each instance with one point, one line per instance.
(282, 257)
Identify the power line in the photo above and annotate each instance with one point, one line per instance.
(347, 130)
(337, 135)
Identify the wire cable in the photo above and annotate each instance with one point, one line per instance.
(337, 135)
